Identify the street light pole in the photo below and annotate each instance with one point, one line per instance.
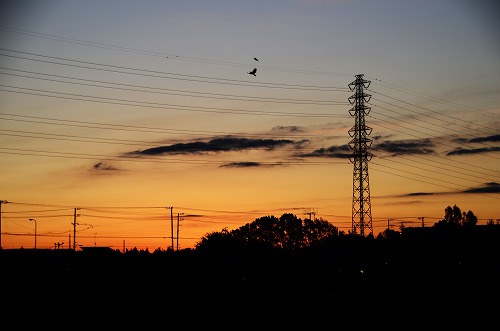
(34, 220)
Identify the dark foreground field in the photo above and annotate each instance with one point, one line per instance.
(232, 291)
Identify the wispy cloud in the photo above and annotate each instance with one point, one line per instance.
(468, 151)
(493, 138)
(465, 151)
(394, 147)
(405, 147)
(491, 187)
(418, 194)
(291, 128)
(217, 145)
(102, 166)
(243, 165)
(341, 152)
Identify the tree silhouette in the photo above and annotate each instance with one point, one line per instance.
(217, 242)
(389, 234)
(453, 215)
(286, 232)
(454, 218)
(469, 219)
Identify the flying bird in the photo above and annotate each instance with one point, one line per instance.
(256, 59)
(253, 72)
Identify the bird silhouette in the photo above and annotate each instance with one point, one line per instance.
(253, 72)
(256, 59)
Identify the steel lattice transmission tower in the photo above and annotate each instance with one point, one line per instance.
(361, 205)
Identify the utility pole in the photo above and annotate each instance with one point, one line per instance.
(34, 220)
(389, 223)
(74, 228)
(178, 221)
(171, 224)
(361, 205)
(177, 236)
(422, 219)
(1, 203)
(310, 213)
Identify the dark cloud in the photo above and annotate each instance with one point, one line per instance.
(242, 165)
(417, 194)
(491, 187)
(460, 140)
(103, 166)
(405, 147)
(223, 144)
(291, 128)
(465, 151)
(377, 137)
(411, 194)
(341, 152)
(494, 138)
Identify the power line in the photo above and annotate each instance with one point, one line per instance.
(159, 54)
(163, 75)
(125, 158)
(447, 122)
(157, 90)
(142, 129)
(121, 142)
(154, 105)
(296, 87)
(437, 164)
(421, 95)
(434, 183)
(439, 142)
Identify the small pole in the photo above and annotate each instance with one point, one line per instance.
(34, 220)
(1, 203)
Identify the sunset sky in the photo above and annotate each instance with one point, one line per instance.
(131, 114)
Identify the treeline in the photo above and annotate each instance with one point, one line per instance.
(276, 266)
(291, 247)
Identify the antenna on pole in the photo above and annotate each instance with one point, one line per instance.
(361, 205)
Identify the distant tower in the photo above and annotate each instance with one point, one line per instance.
(361, 206)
